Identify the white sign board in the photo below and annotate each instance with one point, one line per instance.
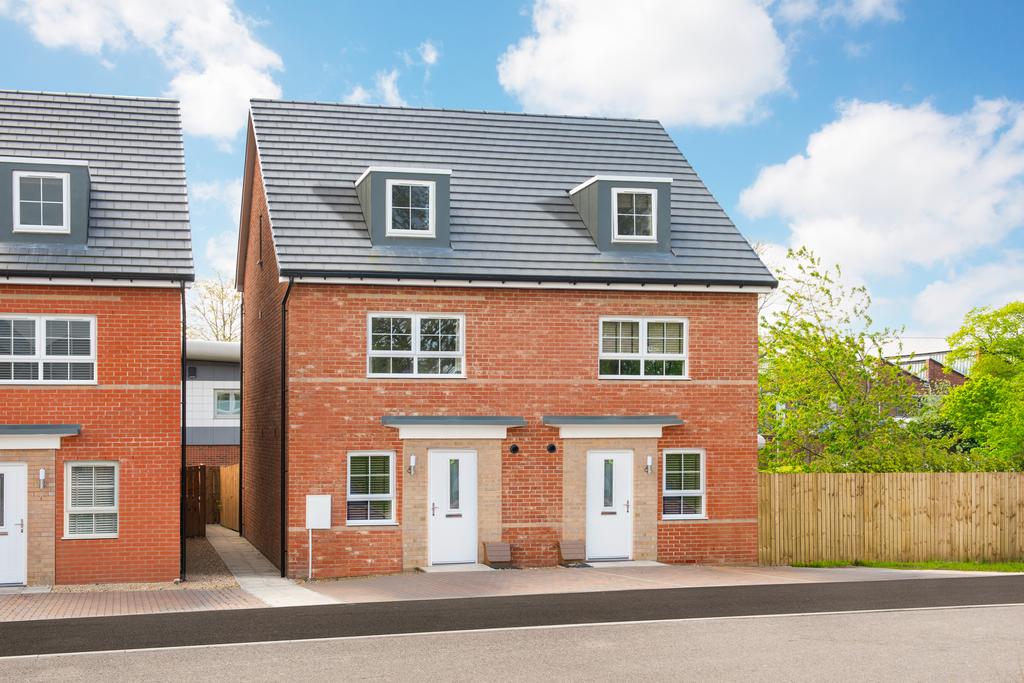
(318, 512)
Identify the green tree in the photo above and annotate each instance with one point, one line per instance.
(994, 339)
(828, 401)
(985, 416)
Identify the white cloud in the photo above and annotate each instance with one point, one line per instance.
(215, 61)
(429, 53)
(940, 307)
(227, 193)
(221, 250)
(886, 186)
(852, 11)
(385, 91)
(855, 49)
(701, 62)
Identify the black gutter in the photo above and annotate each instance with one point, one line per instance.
(241, 420)
(517, 277)
(283, 432)
(184, 464)
(90, 275)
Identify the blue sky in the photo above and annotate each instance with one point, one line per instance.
(913, 181)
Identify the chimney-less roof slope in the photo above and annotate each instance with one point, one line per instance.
(138, 209)
(511, 214)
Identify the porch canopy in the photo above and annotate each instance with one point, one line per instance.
(24, 437)
(452, 426)
(611, 426)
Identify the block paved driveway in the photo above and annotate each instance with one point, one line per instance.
(610, 577)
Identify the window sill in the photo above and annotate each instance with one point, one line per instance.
(357, 524)
(35, 229)
(91, 537)
(415, 377)
(684, 518)
(46, 383)
(645, 378)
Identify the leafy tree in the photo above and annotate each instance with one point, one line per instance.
(827, 398)
(993, 338)
(215, 313)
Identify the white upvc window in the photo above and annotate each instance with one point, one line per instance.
(416, 345)
(47, 349)
(647, 348)
(683, 477)
(227, 404)
(370, 498)
(634, 215)
(410, 208)
(42, 202)
(90, 499)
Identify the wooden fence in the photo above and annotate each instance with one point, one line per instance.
(894, 517)
(229, 497)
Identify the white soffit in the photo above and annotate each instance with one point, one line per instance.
(440, 431)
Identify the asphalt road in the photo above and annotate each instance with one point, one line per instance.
(940, 644)
(334, 621)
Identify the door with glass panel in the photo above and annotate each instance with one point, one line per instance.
(13, 523)
(609, 505)
(452, 507)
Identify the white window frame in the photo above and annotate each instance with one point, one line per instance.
(616, 237)
(91, 510)
(415, 354)
(65, 227)
(40, 357)
(389, 231)
(685, 493)
(643, 354)
(351, 497)
(216, 413)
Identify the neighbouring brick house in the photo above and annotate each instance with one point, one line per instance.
(213, 402)
(469, 327)
(95, 251)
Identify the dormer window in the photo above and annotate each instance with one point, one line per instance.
(636, 215)
(41, 202)
(410, 208)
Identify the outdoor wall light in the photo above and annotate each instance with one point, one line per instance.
(552, 448)
(412, 465)
(649, 467)
(42, 477)
(513, 449)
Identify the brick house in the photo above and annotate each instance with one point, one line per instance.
(469, 327)
(213, 402)
(95, 251)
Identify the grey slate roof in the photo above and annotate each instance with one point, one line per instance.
(511, 215)
(138, 212)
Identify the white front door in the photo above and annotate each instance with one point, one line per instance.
(452, 507)
(609, 505)
(13, 523)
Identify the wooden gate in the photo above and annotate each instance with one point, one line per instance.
(195, 501)
(229, 497)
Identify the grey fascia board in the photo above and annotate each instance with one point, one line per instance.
(561, 420)
(303, 273)
(404, 420)
(36, 430)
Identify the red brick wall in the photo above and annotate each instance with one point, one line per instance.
(261, 377)
(132, 415)
(215, 456)
(529, 353)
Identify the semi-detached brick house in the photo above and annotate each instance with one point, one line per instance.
(95, 252)
(469, 327)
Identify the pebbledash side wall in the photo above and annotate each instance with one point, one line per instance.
(529, 353)
(132, 415)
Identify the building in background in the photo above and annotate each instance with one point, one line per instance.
(213, 404)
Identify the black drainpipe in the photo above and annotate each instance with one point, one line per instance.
(184, 463)
(241, 417)
(284, 429)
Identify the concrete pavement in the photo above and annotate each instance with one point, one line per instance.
(916, 645)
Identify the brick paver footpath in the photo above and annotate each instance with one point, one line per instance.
(31, 606)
